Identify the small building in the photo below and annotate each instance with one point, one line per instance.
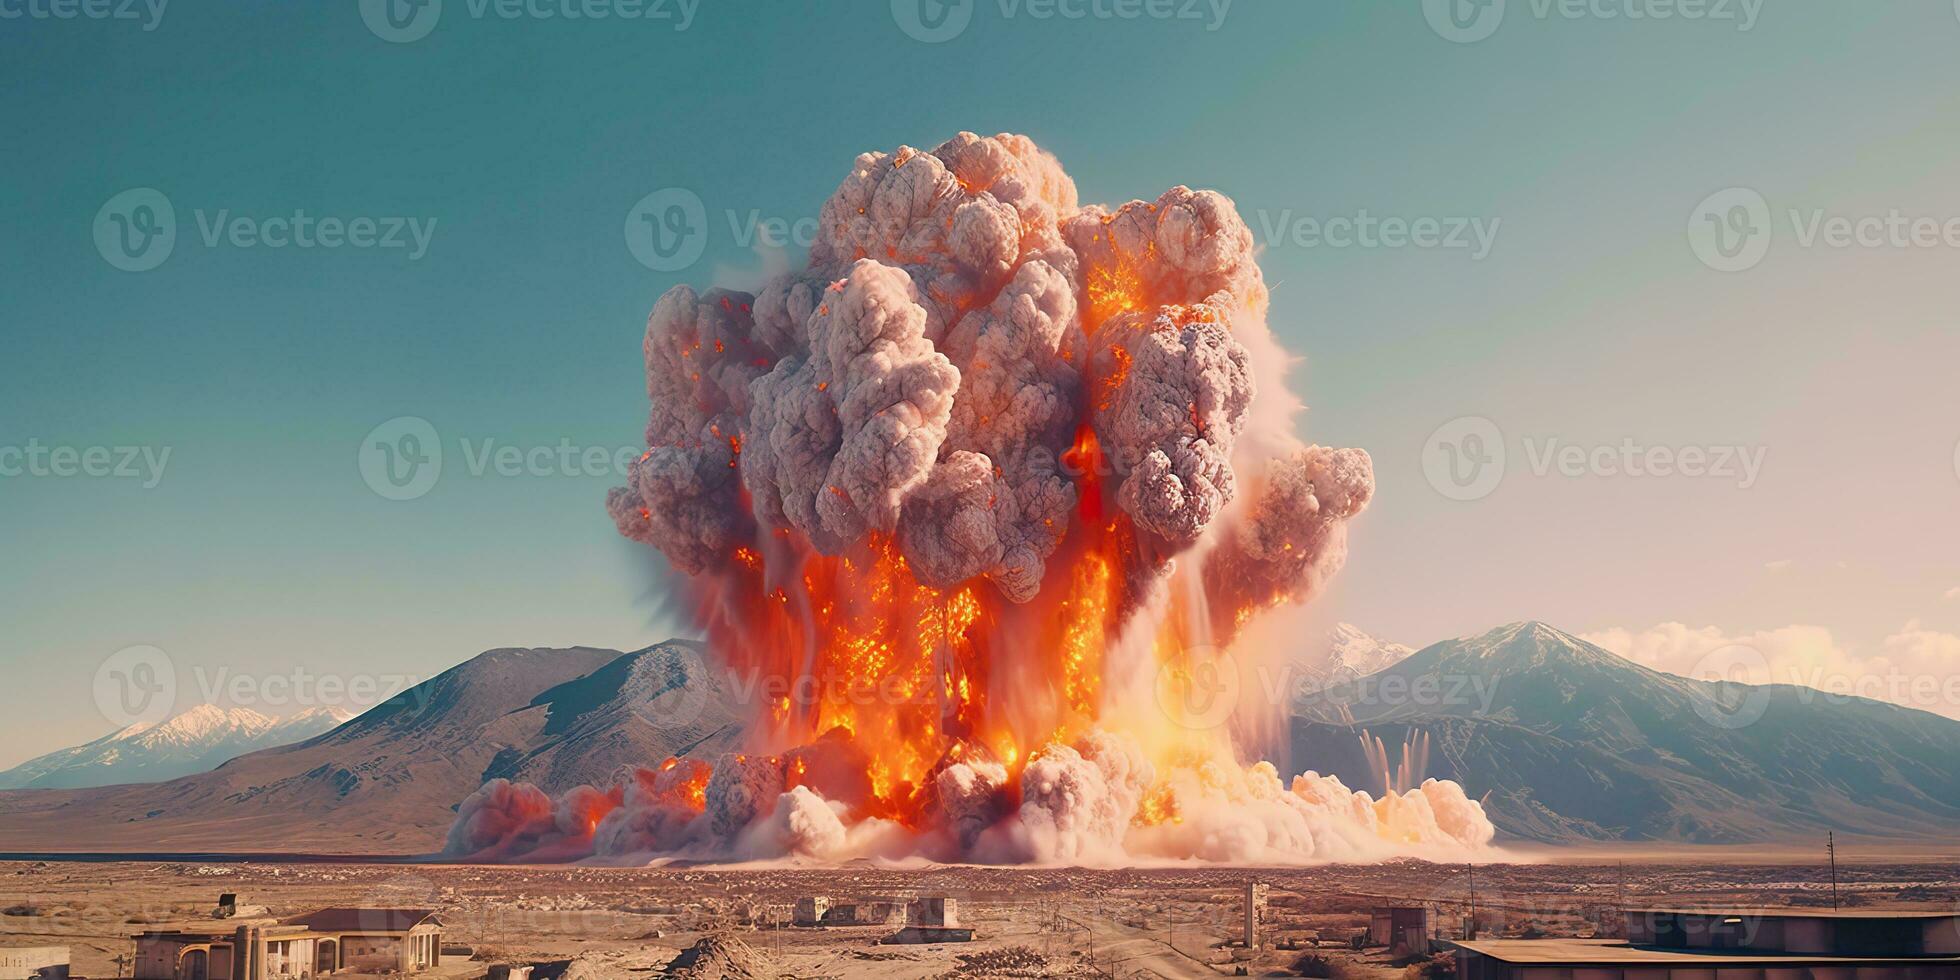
(1407, 930)
(934, 919)
(376, 940)
(33, 963)
(1737, 944)
(936, 911)
(315, 944)
(811, 909)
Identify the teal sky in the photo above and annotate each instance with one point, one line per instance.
(1587, 142)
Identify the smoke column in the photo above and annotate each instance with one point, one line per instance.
(988, 497)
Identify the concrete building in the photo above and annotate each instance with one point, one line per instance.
(374, 940)
(33, 963)
(937, 912)
(1738, 944)
(933, 919)
(1407, 930)
(811, 909)
(327, 941)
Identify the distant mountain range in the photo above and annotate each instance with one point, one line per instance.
(1566, 740)
(1563, 740)
(388, 781)
(198, 740)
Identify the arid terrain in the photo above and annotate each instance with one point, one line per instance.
(1176, 922)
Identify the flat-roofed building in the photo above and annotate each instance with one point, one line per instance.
(317, 943)
(1843, 932)
(1734, 944)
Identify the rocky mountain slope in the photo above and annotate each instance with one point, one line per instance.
(1567, 740)
(387, 781)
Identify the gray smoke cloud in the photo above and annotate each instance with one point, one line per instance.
(960, 319)
(1179, 388)
(682, 495)
(1294, 538)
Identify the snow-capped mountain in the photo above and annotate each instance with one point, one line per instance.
(1351, 652)
(198, 740)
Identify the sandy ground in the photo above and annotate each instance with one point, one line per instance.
(584, 922)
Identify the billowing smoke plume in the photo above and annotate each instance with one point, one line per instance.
(998, 459)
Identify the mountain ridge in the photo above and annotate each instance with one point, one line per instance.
(198, 739)
(1563, 740)
(391, 777)
(1574, 741)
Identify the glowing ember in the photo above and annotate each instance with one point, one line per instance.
(984, 522)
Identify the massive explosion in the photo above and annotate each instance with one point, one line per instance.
(989, 497)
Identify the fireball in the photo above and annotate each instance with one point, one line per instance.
(985, 500)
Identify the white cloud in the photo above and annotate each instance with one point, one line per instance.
(1779, 565)
(1914, 667)
(1953, 594)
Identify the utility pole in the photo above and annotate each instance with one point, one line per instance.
(1470, 925)
(1830, 848)
(1623, 898)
